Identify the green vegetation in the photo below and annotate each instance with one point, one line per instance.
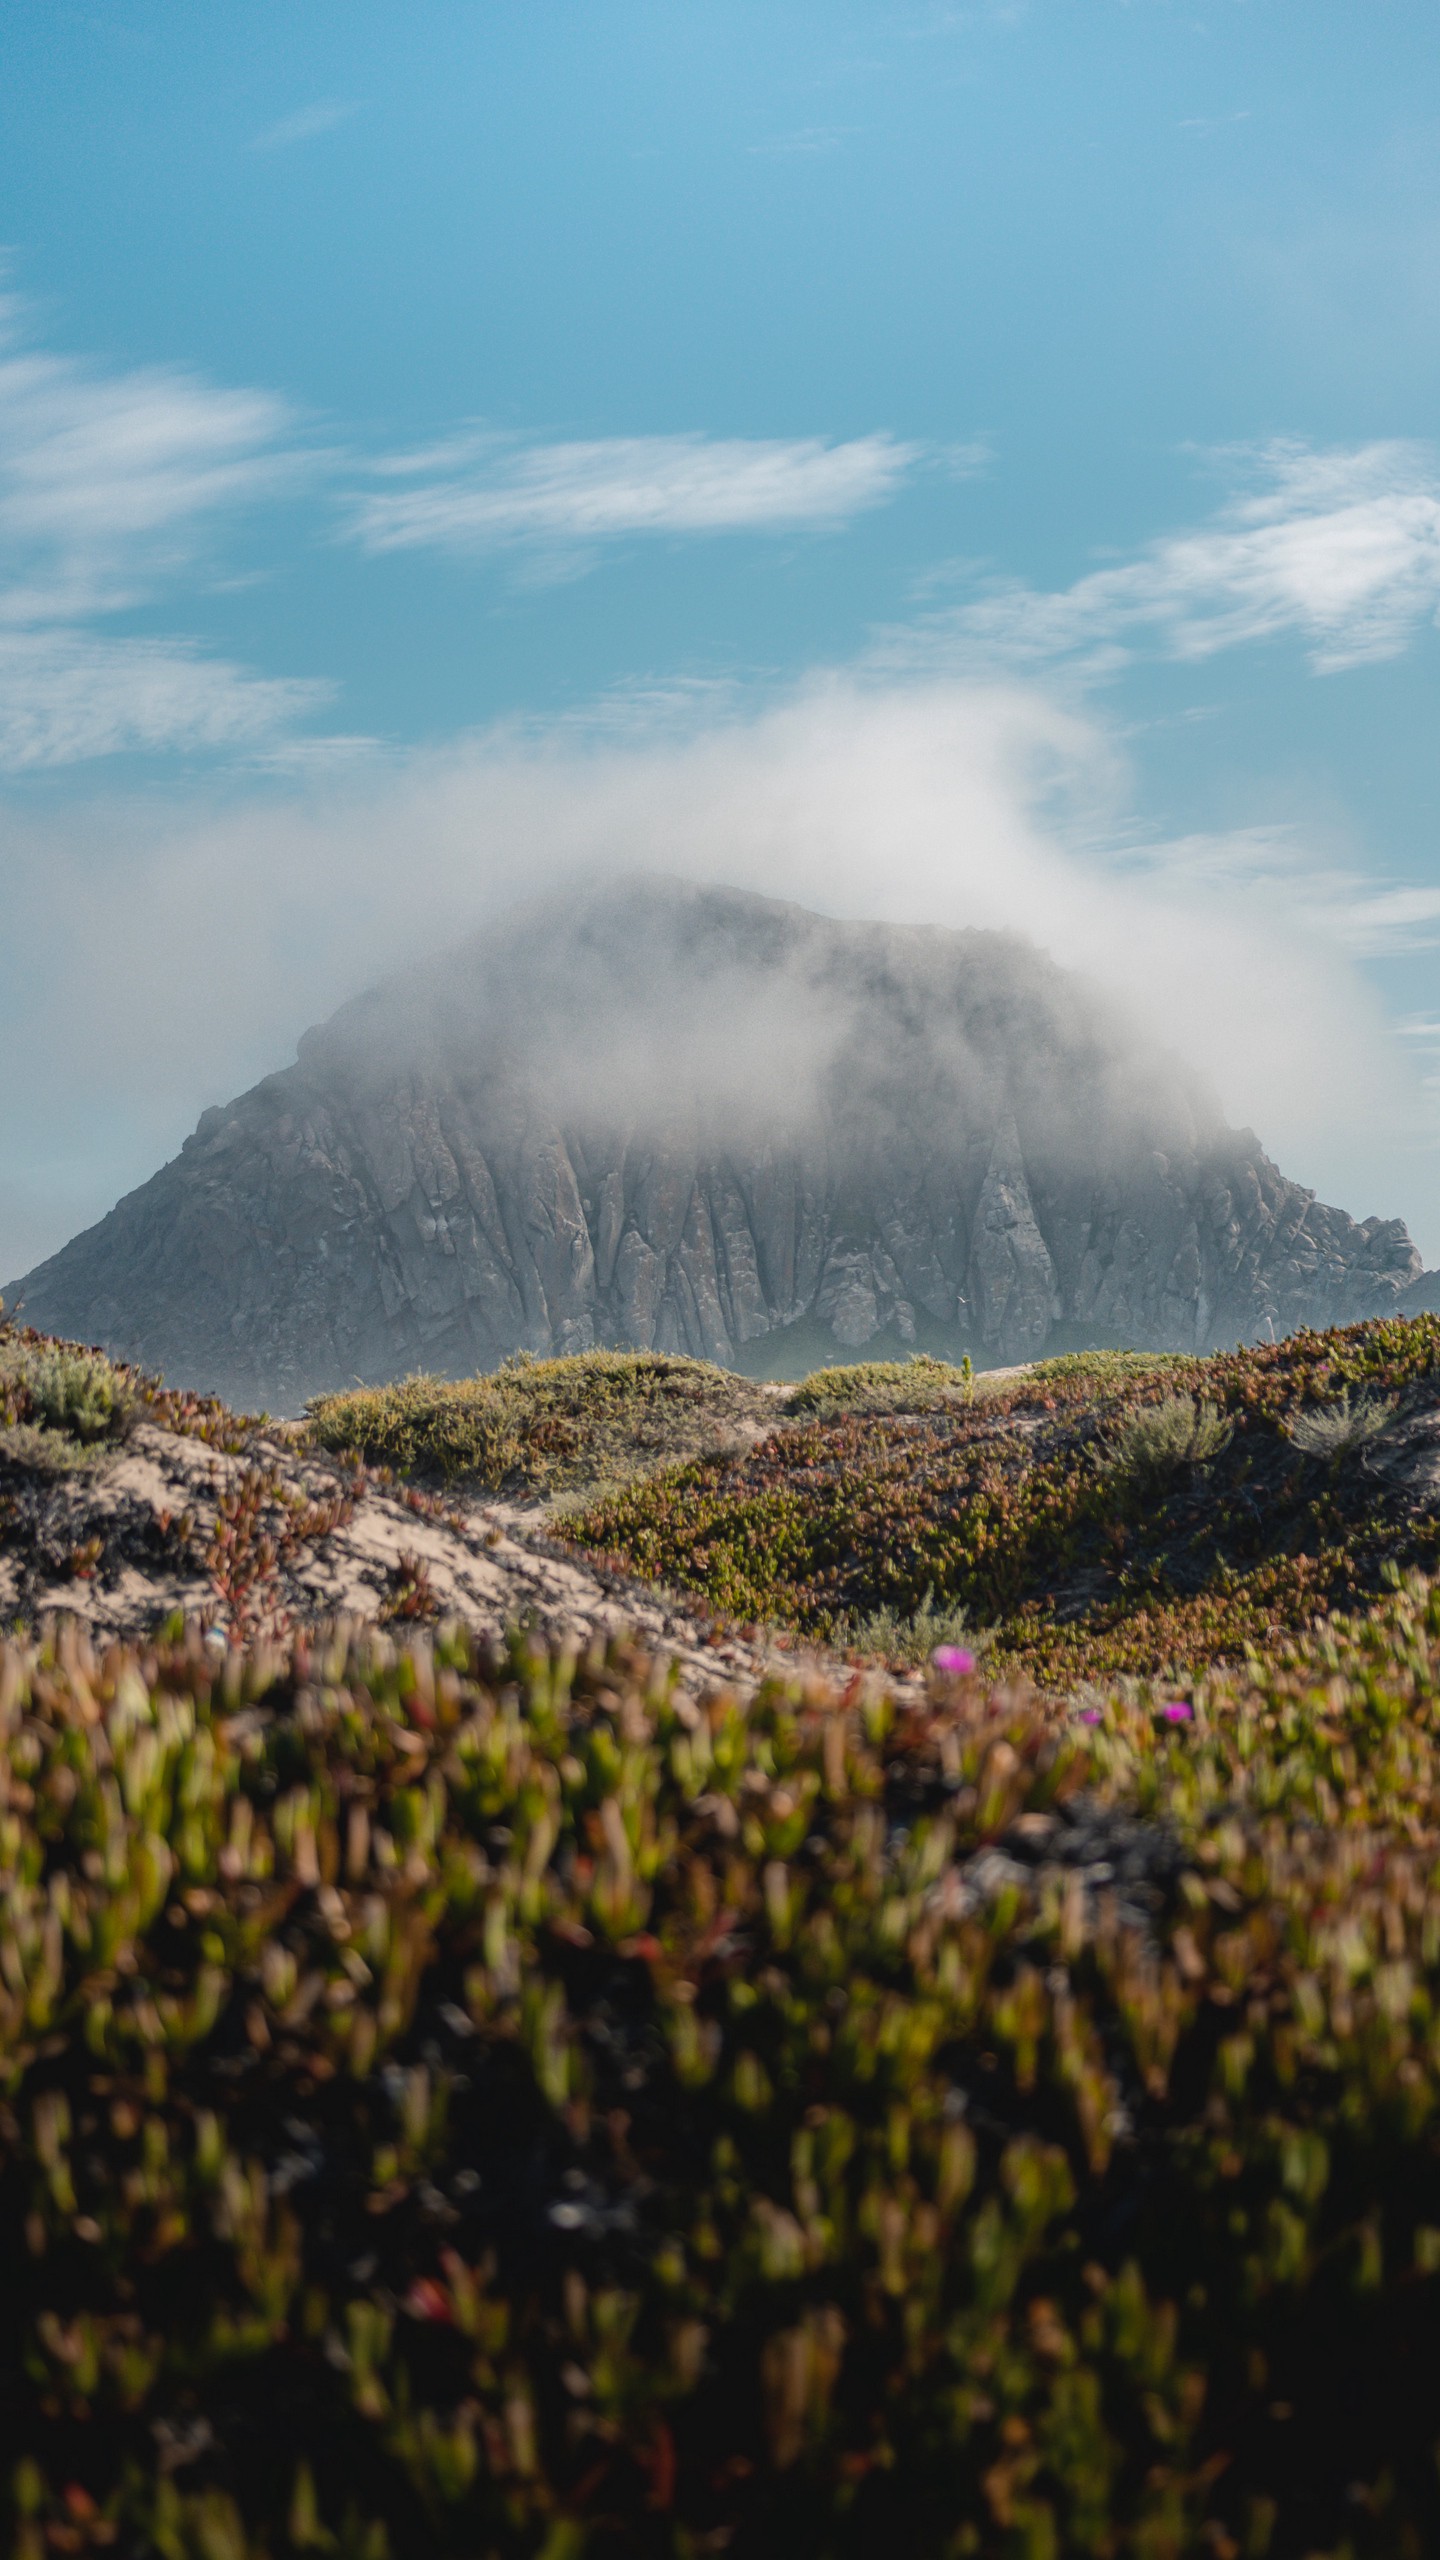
(545, 1426)
(65, 1406)
(1342, 1429)
(464, 2101)
(1104, 1515)
(917, 1385)
(1155, 1442)
(456, 2105)
(913, 1638)
(553, 1428)
(60, 1406)
(1103, 1366)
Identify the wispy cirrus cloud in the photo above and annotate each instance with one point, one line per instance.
(1338, 549)
(67, 696)
(305, 123)
(116, 483)
(1366, 916)
(109, 480)
(112, 483)
(1380, 923)
(480, 493)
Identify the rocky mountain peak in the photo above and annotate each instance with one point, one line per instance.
(690, 1118)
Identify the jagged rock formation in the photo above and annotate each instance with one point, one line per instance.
(683, 1118)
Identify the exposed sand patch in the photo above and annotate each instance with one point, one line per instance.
(141, 1538)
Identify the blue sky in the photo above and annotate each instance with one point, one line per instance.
(969, 462)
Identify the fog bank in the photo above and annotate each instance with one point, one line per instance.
(197, 946)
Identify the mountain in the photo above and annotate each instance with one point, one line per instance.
(658, 1114)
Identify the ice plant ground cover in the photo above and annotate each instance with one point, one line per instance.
(1099, 1515)
(485, 2103)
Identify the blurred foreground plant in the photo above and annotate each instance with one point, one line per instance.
(458, 2100)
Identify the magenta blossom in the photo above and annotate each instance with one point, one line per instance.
(1178, 1711)
(954, 1659)
(1091, 1715)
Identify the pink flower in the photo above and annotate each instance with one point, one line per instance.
(1178, 1711)
(1091, 1715)
(953, 1659)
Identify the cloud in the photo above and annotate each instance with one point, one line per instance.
(1379, 924)
(1366, 917)
(305, 123)
(1340, 549)
(65, 697)
(111, 483)
(107, 478)
(114, 482)
(208, 939)
(475, 493)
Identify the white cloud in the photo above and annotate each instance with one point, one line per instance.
(65, 697)
(110, 483)
(305, 123)
(1366, 917)
(113, 482)
(1378, 924)
(474, 493)
(1339, 549)
(107, 479)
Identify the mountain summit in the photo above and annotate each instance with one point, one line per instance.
(691, 1118)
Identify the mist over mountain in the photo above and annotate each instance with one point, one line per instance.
(693, 1119)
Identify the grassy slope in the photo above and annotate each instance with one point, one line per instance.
(1005, 1504)
(546, 1426)
(838, 1504)
(456, 2107)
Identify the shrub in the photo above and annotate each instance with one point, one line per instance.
(920, 1384)
(1102, 1368)
(56, 1393)
(909, 1638)
(1341, 1429)
(28, 1446)
(1157, 1440)
(545, 1426)
(77, 1392)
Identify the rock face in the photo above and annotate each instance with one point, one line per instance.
(688, 1119)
